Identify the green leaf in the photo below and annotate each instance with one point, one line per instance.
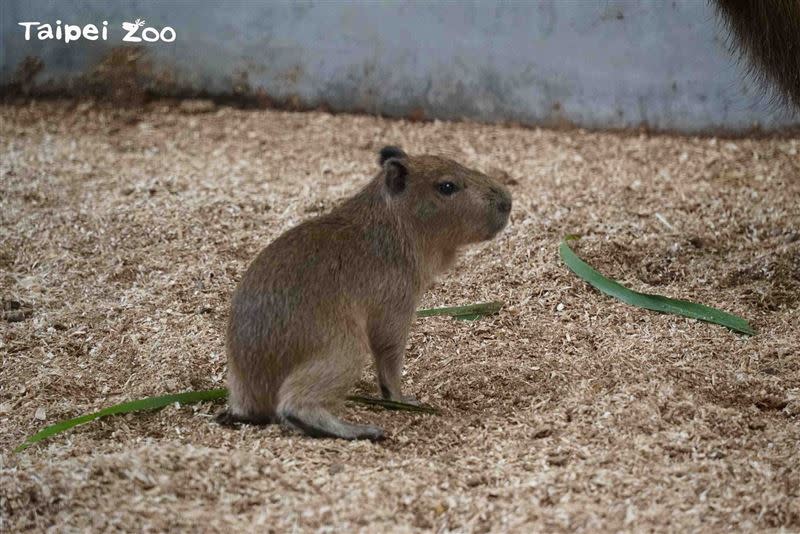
(651, 302)
(393, 405)
(471, 312)
(189, 397)
(150, 403)
(464, 313)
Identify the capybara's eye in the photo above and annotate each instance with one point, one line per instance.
(447, 188)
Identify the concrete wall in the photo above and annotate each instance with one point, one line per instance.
(604, 64)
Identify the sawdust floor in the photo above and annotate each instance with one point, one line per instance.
(125, 232)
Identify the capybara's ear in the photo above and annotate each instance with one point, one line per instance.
(391, 152)
(396, 173)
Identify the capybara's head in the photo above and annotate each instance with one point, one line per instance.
(449, 203)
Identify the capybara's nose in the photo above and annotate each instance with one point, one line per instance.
(502, 200)
(504, 206)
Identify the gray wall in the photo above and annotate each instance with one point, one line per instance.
(604, 64)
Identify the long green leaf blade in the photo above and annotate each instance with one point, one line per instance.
(467, 313)
(150, 403)
(471, 312)
(651, 302)
(393, 405)
(189, 397)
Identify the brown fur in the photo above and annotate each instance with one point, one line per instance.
(767, 32)
(323, 296)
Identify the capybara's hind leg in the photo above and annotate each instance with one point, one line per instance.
(310, 390)
(318, 422)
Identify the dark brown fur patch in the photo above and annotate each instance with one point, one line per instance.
(767, 32)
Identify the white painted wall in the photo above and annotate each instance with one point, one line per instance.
(604, 64)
